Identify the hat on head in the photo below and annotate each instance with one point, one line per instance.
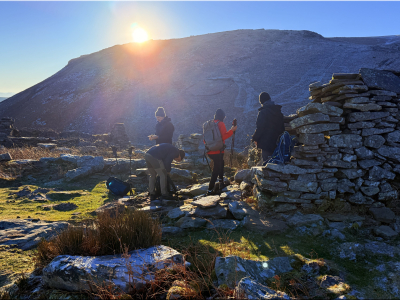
(264, 97)
(160, 112)
(219, 115)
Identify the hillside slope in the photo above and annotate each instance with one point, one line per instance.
(192, 77)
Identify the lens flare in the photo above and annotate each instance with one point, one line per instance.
(139, 35)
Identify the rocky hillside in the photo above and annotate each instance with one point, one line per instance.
(192, 77)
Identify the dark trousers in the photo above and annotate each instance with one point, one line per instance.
(218, 170)
(266, 155)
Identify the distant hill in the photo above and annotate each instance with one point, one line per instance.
(192, 77)
(3, 98)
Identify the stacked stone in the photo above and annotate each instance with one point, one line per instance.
(350, 144)
(6, 129)
(191, 143)
(119, 136)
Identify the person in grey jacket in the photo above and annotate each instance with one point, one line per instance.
(158, 159)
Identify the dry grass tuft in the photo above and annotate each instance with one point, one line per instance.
(106, 235)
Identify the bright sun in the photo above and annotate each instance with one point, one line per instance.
(139, 35)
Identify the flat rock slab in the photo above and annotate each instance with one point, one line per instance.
(231, 269)
(74, 273)
(224, 224)
(217, 212)
(301, 220)
(26, 234)
(179, 212)
(255, 222)
(190, 222)
(207, 202)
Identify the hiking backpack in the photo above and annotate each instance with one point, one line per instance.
(212, 136)
(118, 187)
(283, 149)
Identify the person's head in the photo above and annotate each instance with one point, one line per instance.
(265, 98)
(181, 156)
(219, 115)
(160, 114)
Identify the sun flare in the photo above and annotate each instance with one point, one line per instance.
(139, 35)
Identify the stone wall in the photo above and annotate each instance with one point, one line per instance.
(349, 151)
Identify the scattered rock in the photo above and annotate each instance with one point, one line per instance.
(248, 288)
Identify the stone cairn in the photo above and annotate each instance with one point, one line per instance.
(119, 136)
(193, 146)
(349, 151)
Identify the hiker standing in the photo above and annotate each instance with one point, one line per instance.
(164, 128)
(218, 155)
(269, 126)
(158, 160)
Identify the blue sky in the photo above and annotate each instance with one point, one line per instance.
(37, 39)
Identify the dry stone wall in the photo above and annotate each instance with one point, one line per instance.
(349, 151)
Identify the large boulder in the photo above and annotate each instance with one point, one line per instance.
(231, 269)
(78, 273)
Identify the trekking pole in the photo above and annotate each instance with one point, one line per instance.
(205, 157)
(130, 159)
(234, 123)
(114, 150)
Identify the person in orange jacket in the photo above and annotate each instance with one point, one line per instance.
(218, 156)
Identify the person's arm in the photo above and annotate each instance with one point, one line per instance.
(260, 127)
(224, 134)
(173, 153)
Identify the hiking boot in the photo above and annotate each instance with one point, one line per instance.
(153, 197)
(210, 193)
(168, 197)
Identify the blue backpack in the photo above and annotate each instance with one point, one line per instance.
(283, 149)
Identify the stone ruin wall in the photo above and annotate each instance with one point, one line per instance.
(348, 155)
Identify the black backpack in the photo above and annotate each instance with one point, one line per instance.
(118, 187)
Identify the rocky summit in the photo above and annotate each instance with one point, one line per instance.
(192, 77)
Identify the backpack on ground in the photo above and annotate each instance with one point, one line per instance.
(212, 136)
(118, 187)
(283, 149)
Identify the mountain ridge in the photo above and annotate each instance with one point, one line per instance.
(192, 77)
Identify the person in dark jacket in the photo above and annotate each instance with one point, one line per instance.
(269, 126)
(158, 160)
(218, 156)
(164, 128)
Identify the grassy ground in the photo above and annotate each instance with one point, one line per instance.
(91, 195)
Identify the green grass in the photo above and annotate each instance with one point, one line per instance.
(14, 261)
(88, 197)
